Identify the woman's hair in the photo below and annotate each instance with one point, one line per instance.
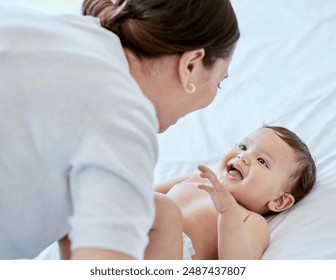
(303, 178)
(154, 28)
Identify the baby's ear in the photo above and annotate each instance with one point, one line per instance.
(281, 203)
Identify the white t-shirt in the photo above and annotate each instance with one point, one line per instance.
(77, 138)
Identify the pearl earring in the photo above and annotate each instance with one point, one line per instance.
(190, 88)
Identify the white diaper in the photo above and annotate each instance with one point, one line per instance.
(188, 248)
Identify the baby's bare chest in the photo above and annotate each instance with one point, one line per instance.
(187, 194)
(190, 198)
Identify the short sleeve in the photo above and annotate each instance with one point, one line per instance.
(111, 183)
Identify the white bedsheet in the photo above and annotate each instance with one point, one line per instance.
(283, 73)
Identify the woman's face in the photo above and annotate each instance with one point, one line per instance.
(163, 81)
(206, 82)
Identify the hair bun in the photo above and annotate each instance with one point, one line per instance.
(105, 10)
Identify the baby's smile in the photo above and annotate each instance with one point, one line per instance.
(234, 171)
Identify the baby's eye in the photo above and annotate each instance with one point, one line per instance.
(242, 147)
(219, 86)
(263, 162)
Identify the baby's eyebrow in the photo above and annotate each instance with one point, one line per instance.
(270, 156)
(267, 154)
(245, 140)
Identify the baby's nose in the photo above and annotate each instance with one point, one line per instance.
(244, 158)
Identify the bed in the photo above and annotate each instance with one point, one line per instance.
(283, 73)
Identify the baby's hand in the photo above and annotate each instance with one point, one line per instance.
(221, 197)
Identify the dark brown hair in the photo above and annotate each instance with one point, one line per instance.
(303, 178)
(154, 28)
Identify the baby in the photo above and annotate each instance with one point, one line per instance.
(222, 215)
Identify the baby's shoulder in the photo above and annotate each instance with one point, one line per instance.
(249, 216)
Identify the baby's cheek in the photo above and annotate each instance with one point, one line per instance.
(230, 155)
(222, 164)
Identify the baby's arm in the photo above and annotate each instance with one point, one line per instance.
(165, 187)
(238, 237)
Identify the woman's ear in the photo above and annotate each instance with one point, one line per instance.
(281, 203)
(189, 63)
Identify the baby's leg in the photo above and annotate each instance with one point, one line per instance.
(165, 238)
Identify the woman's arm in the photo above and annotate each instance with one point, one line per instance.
(99, 254)
(88, 253)
(64, 248)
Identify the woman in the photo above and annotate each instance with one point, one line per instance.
(83, 99)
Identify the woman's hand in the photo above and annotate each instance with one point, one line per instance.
(221, 197)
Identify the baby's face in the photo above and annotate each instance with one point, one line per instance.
(257, 170)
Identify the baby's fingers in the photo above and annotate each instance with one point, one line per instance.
(210, 175)
(204, 168)
(208, 189)
(206, 172)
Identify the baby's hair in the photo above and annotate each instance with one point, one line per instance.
(303, 178)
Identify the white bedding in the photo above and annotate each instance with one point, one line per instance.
(283, 73)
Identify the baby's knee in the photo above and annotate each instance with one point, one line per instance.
(167, 210)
